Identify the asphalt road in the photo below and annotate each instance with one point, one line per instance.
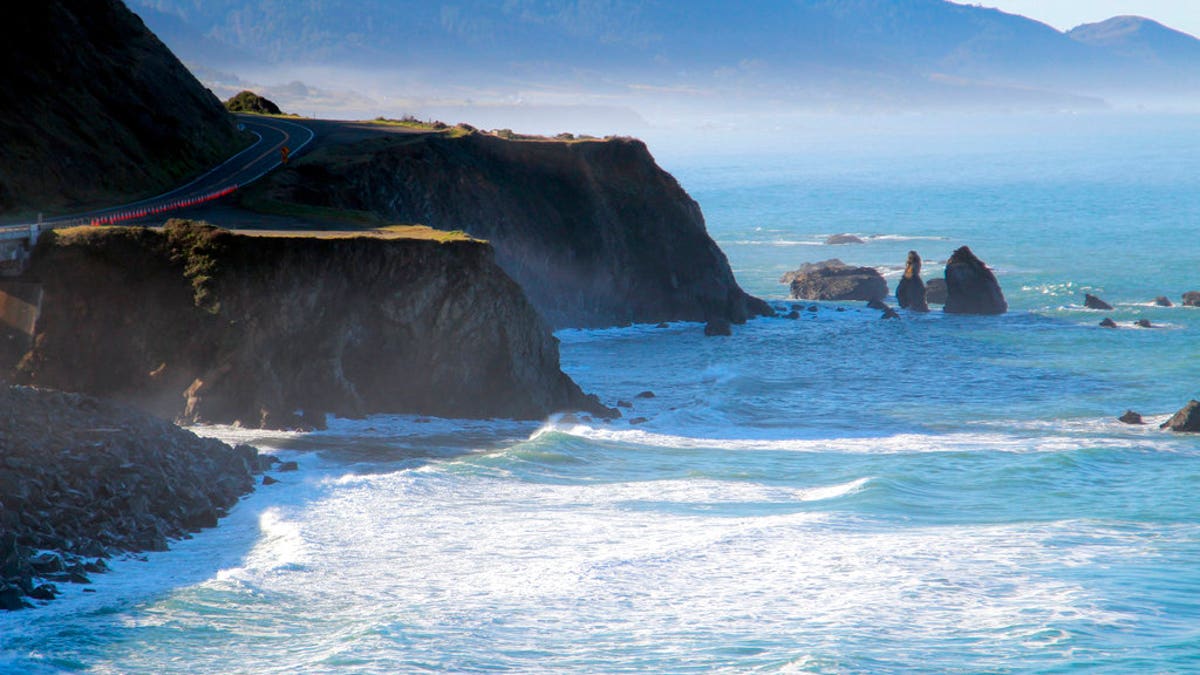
(238, 171)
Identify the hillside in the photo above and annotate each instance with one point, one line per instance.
(94, 107)
(813, 53)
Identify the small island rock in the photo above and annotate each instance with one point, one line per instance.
(1131, 417)
(1191, 299)
(837, 239)
(971, 288)
(910, 292)
(1163, 301)
(1108, 323)
(717, 327)
(835, 280)
(1092, 302)
(935, 292)
(1186, 420)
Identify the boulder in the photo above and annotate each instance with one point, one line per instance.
(1131, 417)
(835, 280)
(1092, 302)
(935, 292)
(889, 313)
(971, 288)
(645, 394)
(1186, 420)
(910, 292)
(1143, 323)
(1163, 301)
(1191, 299)
(836, 239)
(1108, 323)
(717, 327)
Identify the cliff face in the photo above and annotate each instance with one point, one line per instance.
(594, 231)
(202, 324)
(94, 107)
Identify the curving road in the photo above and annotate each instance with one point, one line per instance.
(242, 169)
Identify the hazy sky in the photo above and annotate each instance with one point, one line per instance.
(1181, 15)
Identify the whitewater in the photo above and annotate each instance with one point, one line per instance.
(830, 494)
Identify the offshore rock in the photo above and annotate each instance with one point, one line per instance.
(837, 239)
(1131, 417)
(910, 292)
(1107, 322)
(1092, 302)
(835, 280)
(1191, 299)
(204, 325)
(935, 291)
(1186, 420)
(971, 288)
(1163, 301)
(717, 327)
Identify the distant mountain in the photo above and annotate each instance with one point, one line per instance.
(813, 53)
(1139, 38)
(94, 107)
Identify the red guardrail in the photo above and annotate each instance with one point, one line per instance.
(175, 204)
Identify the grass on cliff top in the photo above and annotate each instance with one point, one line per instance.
(418, 232)
(436, 126)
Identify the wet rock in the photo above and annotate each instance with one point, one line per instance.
(645, 394)
(1131, 417)
(624, 404)
(971, 288)
(718, 327)
(44, 592)
(1163, 301)
(1186, 420)
(935, 292)
(836, 239)
(910, 292)
(1191, 299)
(792, 315)
(878, 304)
(663, 324)
(889, 313)
(267, 480)
(288, 466)
(1143, 323)
(638, 420)
(1108, 323)
(835, 280)
(812, 308)
(1092, 302)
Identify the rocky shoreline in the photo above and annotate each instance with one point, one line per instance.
(83, 479)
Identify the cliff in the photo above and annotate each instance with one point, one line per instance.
(200, 324)
(594, 231)
(95, 108)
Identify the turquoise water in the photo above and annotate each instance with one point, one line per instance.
(834, 494)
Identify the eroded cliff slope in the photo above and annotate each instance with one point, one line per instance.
(95, 108)
(594, 231)
(201, 324)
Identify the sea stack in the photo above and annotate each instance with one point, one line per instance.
(971, 288)
(1092, 302)
(1186, 420)
(910, 292)
(835, 280)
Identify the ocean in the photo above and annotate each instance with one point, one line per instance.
(832, 494)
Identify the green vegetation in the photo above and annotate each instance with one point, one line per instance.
(410, 122)
(250, 102)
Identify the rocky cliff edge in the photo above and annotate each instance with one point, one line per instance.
(205, 325)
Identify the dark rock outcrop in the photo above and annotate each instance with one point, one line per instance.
(910, 292)
(95, 108)
(1163, 301)
(1131, 417)
(250, 102)
(935, 292)
(717, 327)
(971, 288)
(1191, 299)
(1186, 420)
(595, 232)
(1107, 322)
(1143, 323)
(201, 324)
(835, 280)
(82, 479)
(1092, 302)
(837, 239)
